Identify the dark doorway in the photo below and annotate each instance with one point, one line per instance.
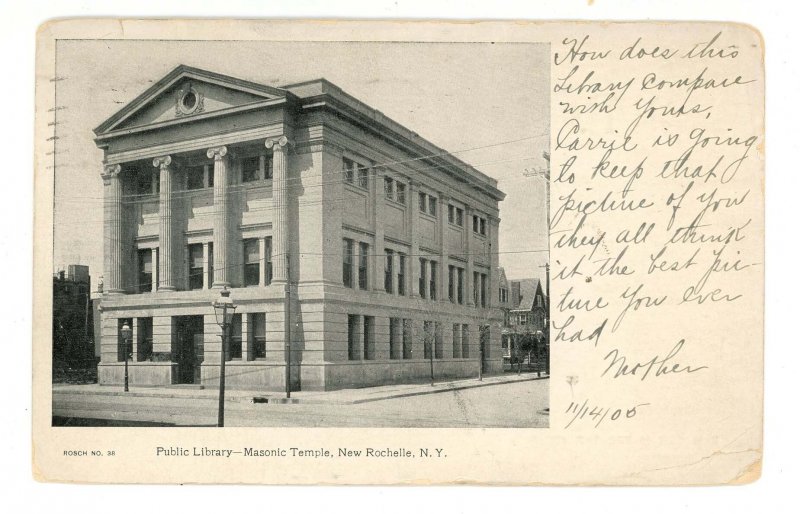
(189, 348)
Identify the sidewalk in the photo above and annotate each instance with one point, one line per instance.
(338, 397)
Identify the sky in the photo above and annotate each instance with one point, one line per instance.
(459, 96)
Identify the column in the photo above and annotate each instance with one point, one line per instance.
(205, 265)
(378, 219)
(262, 261)
(221, 250)
(154, 269)
(413, 259)
(468, 285)
(280, 224)
(443, 260)
(165, 237)
(112, 211)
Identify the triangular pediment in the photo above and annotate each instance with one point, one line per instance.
(185, 93)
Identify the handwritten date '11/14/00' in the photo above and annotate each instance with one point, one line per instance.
(597, 414)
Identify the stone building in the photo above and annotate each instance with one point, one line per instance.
(72, 317)
(386, 243)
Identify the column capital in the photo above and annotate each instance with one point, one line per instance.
(217, 152)
(110, 171)
(278, 142)
(162, 162)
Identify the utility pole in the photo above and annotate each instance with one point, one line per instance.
(287, 328)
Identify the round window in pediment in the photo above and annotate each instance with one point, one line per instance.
(189, 102)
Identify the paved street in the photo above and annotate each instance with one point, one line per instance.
(511, 404)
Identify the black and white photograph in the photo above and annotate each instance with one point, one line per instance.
(300, 234)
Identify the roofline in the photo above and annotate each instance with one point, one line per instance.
(412, 137)
(174, 75)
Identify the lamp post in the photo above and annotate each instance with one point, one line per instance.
(126, 337)
(223, 310)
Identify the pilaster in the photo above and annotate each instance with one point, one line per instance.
(413, 258)
(468, 246)
(441, 223)
(378, 258)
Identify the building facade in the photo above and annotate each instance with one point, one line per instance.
(385, 244)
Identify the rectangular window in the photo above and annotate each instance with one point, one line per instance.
(427, 329)
(348, 168)
(144, 347)
(460, 286)
(451, 285)
(363, 260)
(401, 193)
(268, 167)
(195, 177)
(451, 213)
(423, 276)
(257, 325)
(210, 264)
(251, 169)
(459, 217)
(476, 284)
(388, 188)
(483, 226)
(347, 263)
(369, 337)
(432, 293)
(475, 224)
(438, 345)
(208, 173)
(145, 278)
(423, 202)
(388, 274)
(407, 328)
(251, 262)
(353, 353)
(144, 182)
(465, 341)
(268, 261)
(456, 340)
(196, 266)
(395, 329)
(363, 177)
(401, 274)
(483, 289)
(235, 339)
(432, 206)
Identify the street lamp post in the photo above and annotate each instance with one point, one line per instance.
(223, 310)
(126, 339)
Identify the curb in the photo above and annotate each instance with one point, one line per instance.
(250, 398)
(322, 401)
